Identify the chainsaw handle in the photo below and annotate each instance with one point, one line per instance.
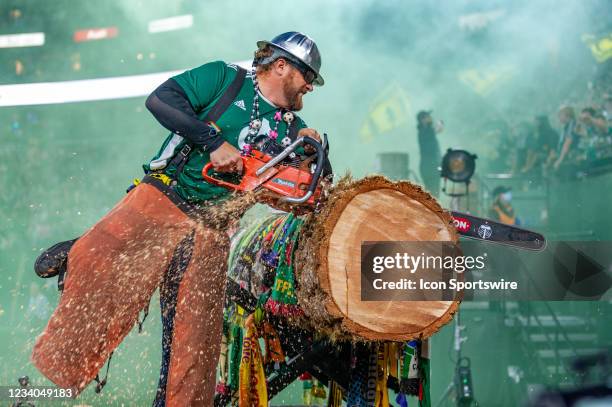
(317, 174)
(217, 181)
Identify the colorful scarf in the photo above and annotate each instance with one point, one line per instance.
(234, 359)
(364, 376)
(283, 300)
(409, 373)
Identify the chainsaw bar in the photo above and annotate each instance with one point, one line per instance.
(474, 227)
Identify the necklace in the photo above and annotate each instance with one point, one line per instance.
(255, 122)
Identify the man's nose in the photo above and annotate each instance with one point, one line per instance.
(309, 87)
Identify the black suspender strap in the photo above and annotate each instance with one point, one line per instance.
(227, 98)
(181, 158)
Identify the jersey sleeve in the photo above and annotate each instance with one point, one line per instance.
(203, 84)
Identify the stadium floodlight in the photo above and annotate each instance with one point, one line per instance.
(82, 90)
(22, 40)
(121, 87)
(171, 23)
(458, 165)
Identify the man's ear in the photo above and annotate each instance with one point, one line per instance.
(281, 67)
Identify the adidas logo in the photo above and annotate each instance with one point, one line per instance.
(240, 104)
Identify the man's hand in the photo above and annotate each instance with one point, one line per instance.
(226, 159)
(313, 134)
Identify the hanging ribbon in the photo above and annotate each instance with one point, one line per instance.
(274, 351)
(394, 359)
(364, 376)
(382, 372)
(409, 375)
(359, 375)
(222, 385)
(335, 395)
(235, 356)
(253, 391)
(425, 374)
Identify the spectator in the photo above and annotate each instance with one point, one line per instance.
(541, 145)
(607, 108)
(430, 151)
(501, 209)
(592, 123)
(569, 138)
(523, 139)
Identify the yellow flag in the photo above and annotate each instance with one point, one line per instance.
(601, 47)
(483, 81)
(389, 110)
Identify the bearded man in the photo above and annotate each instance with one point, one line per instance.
(161, 234)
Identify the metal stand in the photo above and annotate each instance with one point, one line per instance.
(456, 196)
(453, 387)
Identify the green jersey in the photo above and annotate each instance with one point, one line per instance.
(204, 86)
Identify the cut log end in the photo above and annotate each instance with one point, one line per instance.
(372, 209)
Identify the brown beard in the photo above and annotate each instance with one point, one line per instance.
(292, 96)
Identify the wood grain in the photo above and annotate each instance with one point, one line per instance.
(375, 209)
(381, 215)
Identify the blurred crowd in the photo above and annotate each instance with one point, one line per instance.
(577, 142)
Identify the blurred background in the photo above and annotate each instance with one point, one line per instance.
(495, 74)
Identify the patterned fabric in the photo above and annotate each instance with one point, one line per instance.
(362, 386)
(283, 300)
(263, 262)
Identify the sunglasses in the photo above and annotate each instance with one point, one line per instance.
(308, 74)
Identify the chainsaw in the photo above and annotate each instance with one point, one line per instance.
(53, 261)
(284, 176)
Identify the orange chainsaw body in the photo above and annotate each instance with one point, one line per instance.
(282, 180)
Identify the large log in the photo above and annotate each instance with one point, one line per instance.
(328, 260)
